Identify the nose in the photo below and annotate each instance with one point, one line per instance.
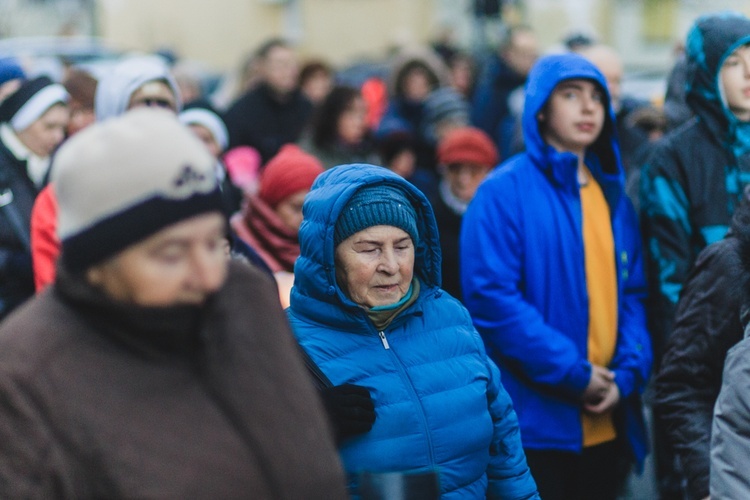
(209, 271)
(388, 263)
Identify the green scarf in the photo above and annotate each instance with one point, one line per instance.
(382, 316)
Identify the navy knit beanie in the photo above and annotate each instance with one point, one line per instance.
(377, 205)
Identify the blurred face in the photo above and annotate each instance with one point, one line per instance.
(522, 53)
(280, 70)
(80, 117)
(574, 116)
(461, 74)
(46, 133)
(404, 164)
(735, 81)
(353, 122)
(290, 210)
(464, 179)
(181, 264)
(317, 87)
(416, 85)
(206, 138)
(9, 87)
(375, 266)
(156, 93)
(610, 64)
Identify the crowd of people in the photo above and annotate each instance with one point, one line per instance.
(457, 279)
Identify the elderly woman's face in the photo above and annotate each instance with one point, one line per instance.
(374, 267)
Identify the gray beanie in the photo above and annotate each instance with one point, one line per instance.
(120, 181)
(376, 205)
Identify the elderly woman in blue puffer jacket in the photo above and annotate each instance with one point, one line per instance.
(413, 388)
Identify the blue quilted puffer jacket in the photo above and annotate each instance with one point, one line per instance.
(439, 402)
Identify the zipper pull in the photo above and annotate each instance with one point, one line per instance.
(384, 340)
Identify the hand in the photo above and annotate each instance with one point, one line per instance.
(608, 402)
(599, 384)
(350, 409)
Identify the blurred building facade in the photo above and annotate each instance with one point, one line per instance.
(223, 32)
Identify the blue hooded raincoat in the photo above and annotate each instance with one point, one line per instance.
(524, 282)
(438, 399)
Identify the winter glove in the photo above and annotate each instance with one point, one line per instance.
(350, 409)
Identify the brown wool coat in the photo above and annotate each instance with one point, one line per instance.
(83, 415)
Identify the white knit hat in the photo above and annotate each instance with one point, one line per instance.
(120, 181)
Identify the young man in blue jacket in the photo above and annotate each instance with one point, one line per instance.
(551, 267)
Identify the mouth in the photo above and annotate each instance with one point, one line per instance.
(585, 126)
(386, 288)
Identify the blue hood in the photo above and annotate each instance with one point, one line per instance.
(710, 41)
(602, 157)
(314, 270)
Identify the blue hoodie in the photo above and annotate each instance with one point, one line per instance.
(439, 403)
(523, 275)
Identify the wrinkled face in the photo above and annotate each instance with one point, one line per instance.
(156, 93)
(375, 266)
(206, 138)
(289, 210)
(522, 53)
(734, 78)
(574, 116)
(352, 124)
(280, 70)
(181, 264)
(46, 133)
(464, 179)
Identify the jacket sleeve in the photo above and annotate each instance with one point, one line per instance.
(633, 355)
(730, 435)
(508, 474)
(707, 325)
(667, 232)
(492, 257)
(45, 246)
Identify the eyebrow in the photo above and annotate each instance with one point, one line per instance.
(570, 85)
(375, 242)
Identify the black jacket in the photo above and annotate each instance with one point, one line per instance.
(706, 326)
(17, 195)
(259, 120)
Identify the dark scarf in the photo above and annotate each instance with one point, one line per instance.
(273, 236)
(153, 331)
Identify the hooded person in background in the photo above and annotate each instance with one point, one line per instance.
(34, 120)
(695, 175)
(133, 83)
(154, 367)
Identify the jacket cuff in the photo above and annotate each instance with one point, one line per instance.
(625, 383)
(579, 377)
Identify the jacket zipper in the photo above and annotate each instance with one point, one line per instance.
(413, 392)
(384, 340)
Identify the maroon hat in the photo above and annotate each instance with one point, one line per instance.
(467, 145)
(289, 172)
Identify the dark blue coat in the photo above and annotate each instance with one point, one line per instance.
(438, 399)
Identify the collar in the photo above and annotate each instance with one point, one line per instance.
(456, 205)
(151, 331)
(36, 166)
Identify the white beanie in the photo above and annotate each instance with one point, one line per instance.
(210, 120)
(120, 181)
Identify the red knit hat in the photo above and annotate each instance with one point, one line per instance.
(467, 145)
(289, 172)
